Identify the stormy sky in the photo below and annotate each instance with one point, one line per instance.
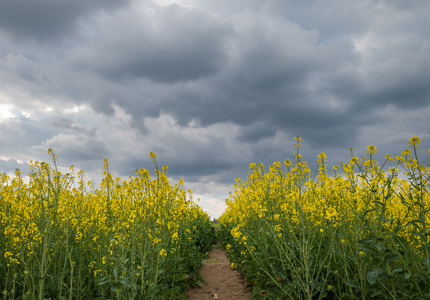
(210, 86)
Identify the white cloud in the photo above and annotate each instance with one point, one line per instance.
(6, 112)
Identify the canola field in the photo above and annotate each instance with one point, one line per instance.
(63, 238)
(360, 233)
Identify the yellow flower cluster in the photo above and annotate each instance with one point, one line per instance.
(51, 225)
(363, 188)
(358, 205)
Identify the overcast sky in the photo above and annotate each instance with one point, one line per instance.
(210, 86)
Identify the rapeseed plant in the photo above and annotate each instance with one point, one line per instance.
(362, 232)
(126, 239)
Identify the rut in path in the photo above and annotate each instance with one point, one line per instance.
(221, 282)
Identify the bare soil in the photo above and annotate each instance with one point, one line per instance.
(220, 281)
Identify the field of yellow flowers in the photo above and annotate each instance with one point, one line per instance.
(361, 233)
(63, 238)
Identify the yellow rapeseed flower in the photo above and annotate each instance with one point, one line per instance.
(371, 149)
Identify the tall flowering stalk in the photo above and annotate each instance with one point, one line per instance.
(140, 237)
(361, 232)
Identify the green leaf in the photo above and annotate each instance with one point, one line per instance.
(366, 241)
(372, 276)
(376, 293)
(398, 270)
(390, 256)
(379, 247)
(412, 222)
(125, 282)
(105, 280)
(370, 248)
(348, 283)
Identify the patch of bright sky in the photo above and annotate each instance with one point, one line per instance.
(366, 44)
(213, 206)
(2, 157)
(67, 110)
(6, 112)
(74, 109)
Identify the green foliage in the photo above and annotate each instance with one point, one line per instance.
(142, 238)
(362, 233)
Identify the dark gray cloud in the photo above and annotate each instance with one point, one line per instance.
(165, 46)
(335, 20)
(210, 85)
(17, 136)
(48, 19)
(256, 132)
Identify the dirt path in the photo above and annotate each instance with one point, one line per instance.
(221, 282)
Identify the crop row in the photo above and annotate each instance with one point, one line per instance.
(63, 238)
(361, 233)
